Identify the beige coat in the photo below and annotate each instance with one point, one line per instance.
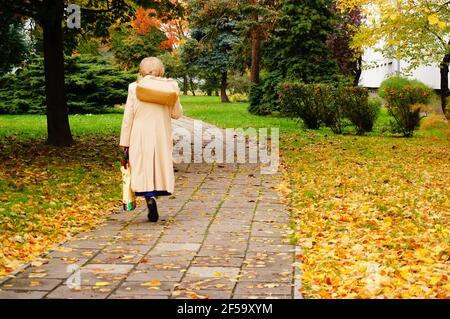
(147, 130)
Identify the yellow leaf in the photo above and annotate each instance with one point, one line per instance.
(193, 295)
(433, 19)
(153, 283)
(37, 275)
(101, 284)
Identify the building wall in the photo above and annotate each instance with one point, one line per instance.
(380, 68)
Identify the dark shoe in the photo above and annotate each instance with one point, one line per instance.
(152, 210)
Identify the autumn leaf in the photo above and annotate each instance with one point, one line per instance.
(102, 284)
(153, 283)
(433, 19)
(193, 295)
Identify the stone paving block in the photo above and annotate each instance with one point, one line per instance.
(202, 293)
(179, 238)
(20, 294)
(90, 278)
(120, 258)
(164, 263)
(149, 275)
(127, 248)
(276, 260)
(268, 229)
(38, 284)
(107, 268)
(64, 292)
(68, 252)
(224, 251)
(214, 248)
(217, 261)
(197, 224)
(239, 226)
(142, 290)
(272, 214)
(262, 289)
(284, 275)
(211, 272)
(172, 247)
(195, 283)
(255, 246)
(237, 203)
(56, 268)
(88, 243)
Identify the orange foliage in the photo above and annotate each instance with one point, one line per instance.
(174, 29)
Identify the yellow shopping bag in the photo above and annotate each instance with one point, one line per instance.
(129, 198)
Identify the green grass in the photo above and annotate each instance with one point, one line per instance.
(35, 126)
(231, 115)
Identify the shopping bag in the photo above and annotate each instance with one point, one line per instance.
(129, 198)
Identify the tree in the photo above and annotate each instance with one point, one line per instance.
(175, 29)
(130, 47)
(214, 27)
(258, 19)
(13, 47)
(416, 31)
(49, 14)
(349, 59)
(297, 50)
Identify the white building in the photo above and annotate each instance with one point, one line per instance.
(377, 69)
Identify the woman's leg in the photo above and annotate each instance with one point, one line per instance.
(153, 215)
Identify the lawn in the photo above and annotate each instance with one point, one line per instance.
(371, 213)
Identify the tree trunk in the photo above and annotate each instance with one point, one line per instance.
(358, 72)
(223, 88)
(58, 128)
(256, 51)
(185, 84)
(444, 81)
(191, 82)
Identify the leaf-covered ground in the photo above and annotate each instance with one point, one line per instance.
(371, 214)
(49, 193)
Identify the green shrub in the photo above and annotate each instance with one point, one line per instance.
(404, 100)
(238, 97)
(315, 104)
(331, 110)
(298, 101)
(333, 106)
(254, 98)
(92, 85)
(263, 97)
(238, 83)
(358, 108)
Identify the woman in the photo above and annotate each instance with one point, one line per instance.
(146, 133)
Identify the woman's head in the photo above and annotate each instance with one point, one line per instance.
(151, 66)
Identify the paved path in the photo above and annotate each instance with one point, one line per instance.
(223, 235)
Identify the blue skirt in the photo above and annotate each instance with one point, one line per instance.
(153, 193)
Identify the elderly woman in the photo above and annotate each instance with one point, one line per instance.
(146, 133)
